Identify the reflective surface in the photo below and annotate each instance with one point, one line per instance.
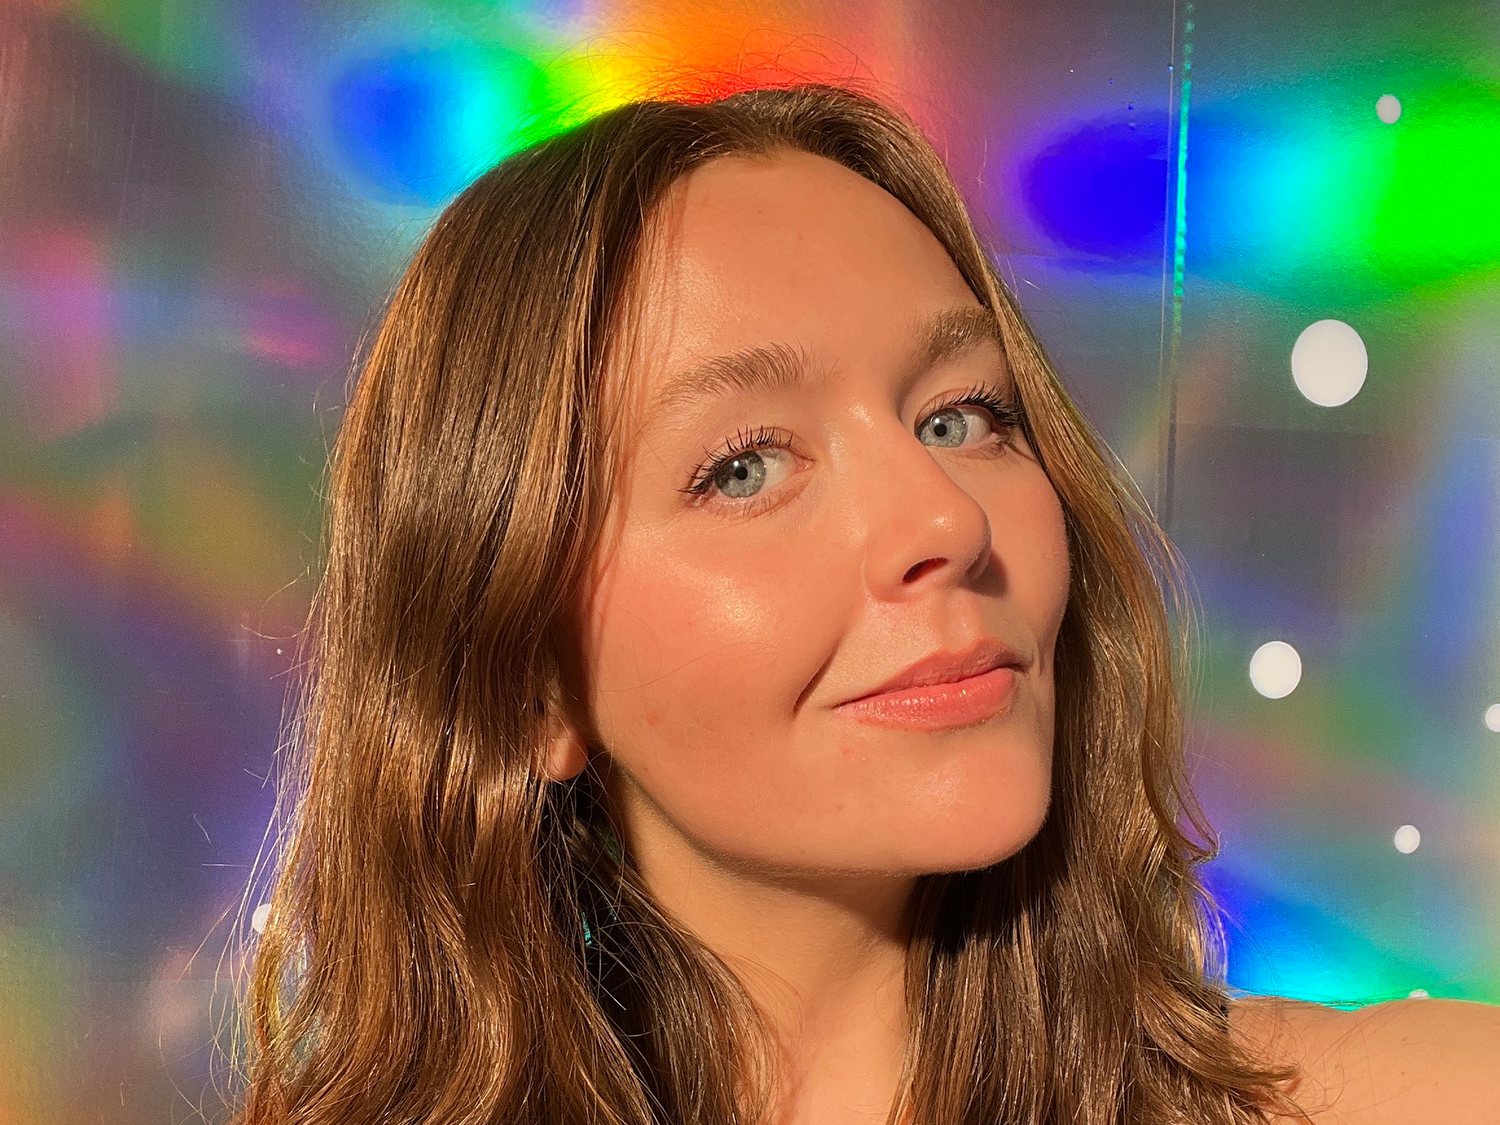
(202, 205)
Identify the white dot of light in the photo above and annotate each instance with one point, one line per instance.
(1329, 363)
(260, 917)
(1418, 994)
(1407, 839)
(1275, 669)
(1388, 108)
(1492, 717)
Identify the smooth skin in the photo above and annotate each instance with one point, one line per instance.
(1403, 1062)
(725, 626)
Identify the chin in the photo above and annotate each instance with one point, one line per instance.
(970, 858)
(980, 839)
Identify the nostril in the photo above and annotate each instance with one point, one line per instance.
(921, 568)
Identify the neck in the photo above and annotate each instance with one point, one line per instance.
(823, 957)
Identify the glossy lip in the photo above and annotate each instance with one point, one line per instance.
(984, 655)
(940, 707)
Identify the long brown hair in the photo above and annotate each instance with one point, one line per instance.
(456, 939)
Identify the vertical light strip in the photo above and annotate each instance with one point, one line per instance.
(1179, 269)
(1179, 241)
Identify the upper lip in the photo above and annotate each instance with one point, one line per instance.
(982, 656)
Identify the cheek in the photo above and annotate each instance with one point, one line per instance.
(698, 661)
(1043, 581)
(1031, 539)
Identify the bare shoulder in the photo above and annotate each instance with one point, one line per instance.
(1417, 1062)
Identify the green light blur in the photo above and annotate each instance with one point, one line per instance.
(1340, 200)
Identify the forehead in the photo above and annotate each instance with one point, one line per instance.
(788, 248)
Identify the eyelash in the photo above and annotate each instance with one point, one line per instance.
(1005, 411)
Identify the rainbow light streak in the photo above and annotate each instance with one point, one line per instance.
(1180, 217)
(1285, 945)
(1179, 273)
(1305, 189)
(1337, 197)
(419, 126)
(422, 124)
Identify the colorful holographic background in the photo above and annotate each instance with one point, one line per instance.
(202, 203)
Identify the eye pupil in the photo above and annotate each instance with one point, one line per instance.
(948, 426)
(742, 477)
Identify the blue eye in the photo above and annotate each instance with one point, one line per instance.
(742, 470)
(744, 475)
(950, 427)
(760, 459)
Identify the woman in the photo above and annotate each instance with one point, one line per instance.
(741, 687)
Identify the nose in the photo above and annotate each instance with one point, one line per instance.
(923, 528)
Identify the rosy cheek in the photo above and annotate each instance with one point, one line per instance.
(659, 635)
(700, 656)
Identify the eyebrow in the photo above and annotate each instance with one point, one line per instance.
(779, 367)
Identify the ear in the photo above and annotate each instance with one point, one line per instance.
(566, 753)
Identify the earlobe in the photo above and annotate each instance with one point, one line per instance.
(565, 752)
(566, 756)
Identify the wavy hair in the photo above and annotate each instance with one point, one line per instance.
(454, 939)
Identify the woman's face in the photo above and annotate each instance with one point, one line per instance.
(792, 307)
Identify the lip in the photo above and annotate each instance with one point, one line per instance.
(984, 655)
(935, 707)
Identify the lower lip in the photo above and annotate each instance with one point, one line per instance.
(939, 706)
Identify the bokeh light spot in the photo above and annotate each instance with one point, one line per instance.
(1388, 108)
(261, 916)
(1275, 669)
(1492, 717)
(1407, 839)
(1329, 363)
